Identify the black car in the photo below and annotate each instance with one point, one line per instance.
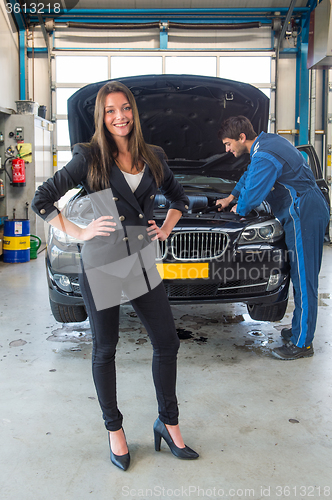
(210, 256)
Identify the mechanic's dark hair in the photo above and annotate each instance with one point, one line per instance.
(103, 149)
(236, 125)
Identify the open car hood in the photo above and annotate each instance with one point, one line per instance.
(180, 113)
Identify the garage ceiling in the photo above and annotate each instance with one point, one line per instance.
(199, 11)
(183, 4)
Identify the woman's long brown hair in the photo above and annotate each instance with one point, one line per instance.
(103, 149)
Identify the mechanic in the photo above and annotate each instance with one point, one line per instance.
(279, 174)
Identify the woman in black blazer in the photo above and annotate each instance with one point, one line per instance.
(121, 175)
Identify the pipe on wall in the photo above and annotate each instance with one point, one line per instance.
(112, 26)
(312, 138)
(22, 60)
(171, 24)
(187, 12)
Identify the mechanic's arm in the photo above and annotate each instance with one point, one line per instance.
(262, 174)
(224, 202)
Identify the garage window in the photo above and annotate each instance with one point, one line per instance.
(62, 95)
(178, 65)
(62, 133)
(246, 69)
(135, 65)
(79, 69)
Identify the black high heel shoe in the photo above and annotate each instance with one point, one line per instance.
(160, 431)
(121, 461)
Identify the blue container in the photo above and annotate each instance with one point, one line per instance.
(16, 240)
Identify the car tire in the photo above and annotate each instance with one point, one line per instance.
(260, 312)
(68, 314)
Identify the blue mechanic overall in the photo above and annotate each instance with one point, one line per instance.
(279, 174)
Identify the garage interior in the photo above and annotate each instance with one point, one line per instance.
(262, 427)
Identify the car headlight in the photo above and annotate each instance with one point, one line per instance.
(264, 232)
(62, 237)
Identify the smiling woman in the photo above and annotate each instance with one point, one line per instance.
(118, 255)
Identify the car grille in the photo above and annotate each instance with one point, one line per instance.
(198, 245)
(161, 250)
(191, 290)
(242, 287)
(214, 290)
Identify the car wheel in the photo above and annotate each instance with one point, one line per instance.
(68, 314)
(260, 312)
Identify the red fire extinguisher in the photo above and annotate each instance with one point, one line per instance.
(18, 172)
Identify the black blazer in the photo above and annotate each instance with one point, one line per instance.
(130, 211)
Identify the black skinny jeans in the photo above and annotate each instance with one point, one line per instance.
(154, 311)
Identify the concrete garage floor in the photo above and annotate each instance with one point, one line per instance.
(263, 427)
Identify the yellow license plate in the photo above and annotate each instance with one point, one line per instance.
(185, 271)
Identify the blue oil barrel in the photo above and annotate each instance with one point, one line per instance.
(16, 240)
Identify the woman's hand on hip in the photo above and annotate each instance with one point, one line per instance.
(98, 227)
(155, 232)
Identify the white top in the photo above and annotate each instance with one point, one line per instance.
(133, 179)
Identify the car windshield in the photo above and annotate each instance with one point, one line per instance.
(215, 184)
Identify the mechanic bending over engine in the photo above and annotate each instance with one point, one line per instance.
(279, 174)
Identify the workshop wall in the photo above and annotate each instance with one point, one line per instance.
(39, 83)
(286, 98)
(9, 60)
